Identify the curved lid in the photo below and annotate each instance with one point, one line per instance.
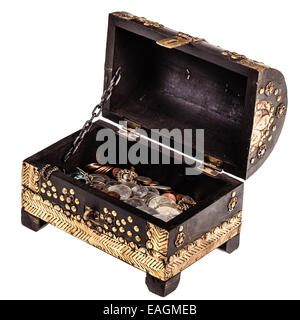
(238, 102)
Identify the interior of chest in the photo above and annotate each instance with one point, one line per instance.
(169, 88)
(204, 189)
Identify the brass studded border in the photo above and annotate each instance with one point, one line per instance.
(43, 209)
(153, 260)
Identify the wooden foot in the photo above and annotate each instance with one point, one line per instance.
(32, 222)
(162, 288)
(231, 244)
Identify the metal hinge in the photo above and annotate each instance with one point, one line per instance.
(180, 39)
(212, 166)
(129, 130)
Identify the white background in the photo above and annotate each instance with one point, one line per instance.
(51, 75)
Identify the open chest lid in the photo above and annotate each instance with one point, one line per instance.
(173, 80)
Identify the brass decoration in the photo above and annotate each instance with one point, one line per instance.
(269, 88)
(34, 204)
(152, 260)
(158, 238)
(177, 41)
(196, 250)
(242, 59)
(263, 118)
(129, 16)
(155, 264)
(232, 203)
(179, 239)
(280, 111)
(261, 151)
(30, 177)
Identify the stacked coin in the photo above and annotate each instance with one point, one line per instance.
(138, 191)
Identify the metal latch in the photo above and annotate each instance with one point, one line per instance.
(173, 42)
(180, 39)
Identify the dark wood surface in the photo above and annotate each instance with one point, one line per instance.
(162, 288)
(32, 222)
(231, 245)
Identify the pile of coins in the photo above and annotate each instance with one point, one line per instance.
(138, 191)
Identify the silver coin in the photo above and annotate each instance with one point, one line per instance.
(135, 202)
(168, 210)
(162, 188)
(96, 178)
(112, 183)
(159, 201)
(148, 210)
(143, 179)
(139, 191)
(153, 190)
(149, 196)
(124, 191)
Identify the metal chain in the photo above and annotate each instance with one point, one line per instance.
(95, 113)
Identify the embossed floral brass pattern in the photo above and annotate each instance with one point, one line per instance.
(264, 116)
(280, 111)
(263, 119)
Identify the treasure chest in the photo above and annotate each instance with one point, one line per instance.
(157, 78)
